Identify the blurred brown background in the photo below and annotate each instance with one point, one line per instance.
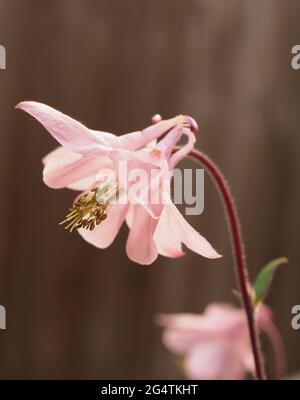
(74, 311)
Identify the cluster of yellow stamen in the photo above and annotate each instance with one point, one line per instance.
(91, 208)
(86, 212)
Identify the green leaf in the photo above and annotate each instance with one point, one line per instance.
(264, 279)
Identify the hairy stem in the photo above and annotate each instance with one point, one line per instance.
(238, 253)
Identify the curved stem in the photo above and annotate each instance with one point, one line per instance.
(239, 255)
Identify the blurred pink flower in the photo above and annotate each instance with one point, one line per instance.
(214, 345)
(155, 228)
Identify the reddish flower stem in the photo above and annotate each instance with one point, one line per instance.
(238, 253)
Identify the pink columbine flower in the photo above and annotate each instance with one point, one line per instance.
(106, 201)
(215, 345)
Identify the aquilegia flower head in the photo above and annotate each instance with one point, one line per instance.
(215, 344)
(95, 163)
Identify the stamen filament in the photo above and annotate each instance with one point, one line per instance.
(90, 209)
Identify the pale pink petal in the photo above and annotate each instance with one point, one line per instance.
(67, 131)
(189, 120)
(151, 145)
(214, 360)
(193, 124)
(167, 240)
(58, 152)
(241, 358)
(206, 360)
(206, 325)
(104, 234)
(64, 168)
(106, 139)
(179, 341)
(181, 330)
(184, 150)
(140, 245)
(189, 236)
(83, 184)
(232, 322)
(235, 370)
(158, 172)
(135, 179)
(167, 144)
(182, 321)
(137, 140)
(156, 118)
(129, 216)
(224, 316)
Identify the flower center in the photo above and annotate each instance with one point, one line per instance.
(91, 208)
